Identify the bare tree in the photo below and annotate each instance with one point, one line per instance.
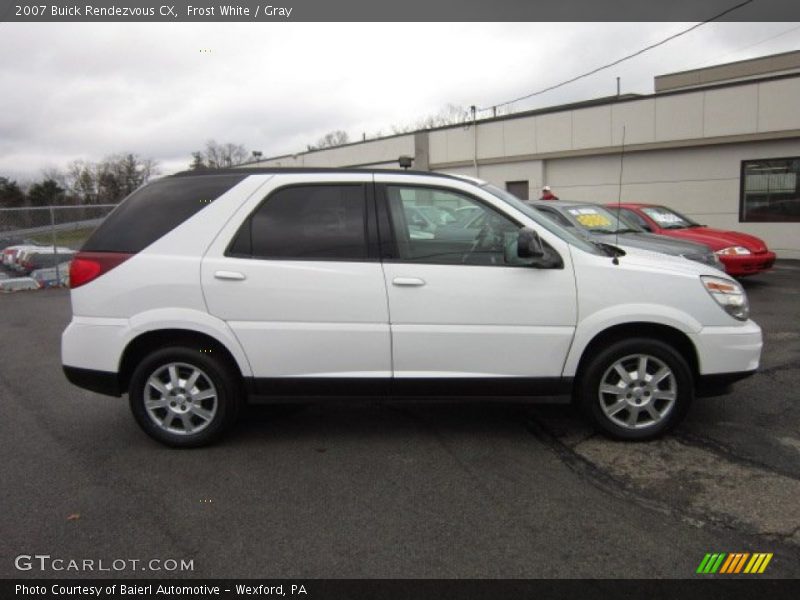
(330, 140)
(110, 180)
(219, 156)
(81, 181)
(451, 114)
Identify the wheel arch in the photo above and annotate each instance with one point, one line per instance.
(657, 331)
(148, 341)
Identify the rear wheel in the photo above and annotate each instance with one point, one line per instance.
(636, 389)
(184, 398)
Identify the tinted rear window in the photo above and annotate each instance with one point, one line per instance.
(156, 209)
(311, 222)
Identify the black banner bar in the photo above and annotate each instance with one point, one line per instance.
(717, 588)
(395, 10)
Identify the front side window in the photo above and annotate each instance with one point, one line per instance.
(770, 190)
(632, 217)
(311, 222)
(445, 227)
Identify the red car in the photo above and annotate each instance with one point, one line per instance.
(740, 253)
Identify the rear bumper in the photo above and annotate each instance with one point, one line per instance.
(102, 382)
(749, 264)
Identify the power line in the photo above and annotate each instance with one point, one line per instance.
(623, 59)
(764, 41)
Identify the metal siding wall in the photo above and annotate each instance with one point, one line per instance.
(702, 181)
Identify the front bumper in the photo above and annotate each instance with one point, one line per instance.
(748, 264)
(719, 384)
(728, 350)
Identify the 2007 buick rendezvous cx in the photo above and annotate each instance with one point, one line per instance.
(203, 289)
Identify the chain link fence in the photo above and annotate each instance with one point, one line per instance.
(38, 242)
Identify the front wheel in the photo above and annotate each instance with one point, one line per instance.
(184, 398)
(636, 389)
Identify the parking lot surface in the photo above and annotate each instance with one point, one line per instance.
(398, 490)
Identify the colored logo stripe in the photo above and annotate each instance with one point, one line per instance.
(758, 563)
(711, 563)
(734, 563)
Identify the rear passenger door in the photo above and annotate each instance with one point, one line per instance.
(296, 275)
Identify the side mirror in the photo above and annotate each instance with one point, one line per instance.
(529, 244)
(525, 248)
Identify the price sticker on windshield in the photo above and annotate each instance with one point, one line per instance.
(663, 217)
(590, 218)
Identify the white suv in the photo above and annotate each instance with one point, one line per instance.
(204, 289)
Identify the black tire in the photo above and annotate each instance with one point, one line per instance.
(217, 378)
(636, 401)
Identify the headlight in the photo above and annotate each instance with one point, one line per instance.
(734, 251)
(729, 295)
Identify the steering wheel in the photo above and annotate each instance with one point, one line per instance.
(484, 233)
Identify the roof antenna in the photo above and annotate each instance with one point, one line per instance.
(615, 260)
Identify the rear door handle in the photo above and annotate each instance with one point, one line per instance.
(230, 275)
(408, 281)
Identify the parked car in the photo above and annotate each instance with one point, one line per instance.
(206, 289)
(16, 284)
(52, 276)
(603, 225)
(740, 253)
(11, 253)
(32, 260)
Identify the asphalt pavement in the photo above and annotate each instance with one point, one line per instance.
(396, 490)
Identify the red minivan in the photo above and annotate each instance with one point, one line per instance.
(740, 253)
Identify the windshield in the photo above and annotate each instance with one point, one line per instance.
(668, 218)
(540, 219)
(597, 219)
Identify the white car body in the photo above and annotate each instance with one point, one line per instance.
(307, 321)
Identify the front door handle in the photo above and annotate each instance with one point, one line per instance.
(408, 281)
(230, 275)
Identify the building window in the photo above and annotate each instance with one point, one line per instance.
(518, 188)
(770, 190)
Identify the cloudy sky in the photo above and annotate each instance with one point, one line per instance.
(83, 91)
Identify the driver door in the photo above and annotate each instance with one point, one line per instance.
(456, 309)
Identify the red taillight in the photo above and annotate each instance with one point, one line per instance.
(88, 266)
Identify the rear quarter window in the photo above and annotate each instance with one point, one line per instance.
(156, 209)
(306, 222)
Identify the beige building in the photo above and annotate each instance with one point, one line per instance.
(721, 144)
